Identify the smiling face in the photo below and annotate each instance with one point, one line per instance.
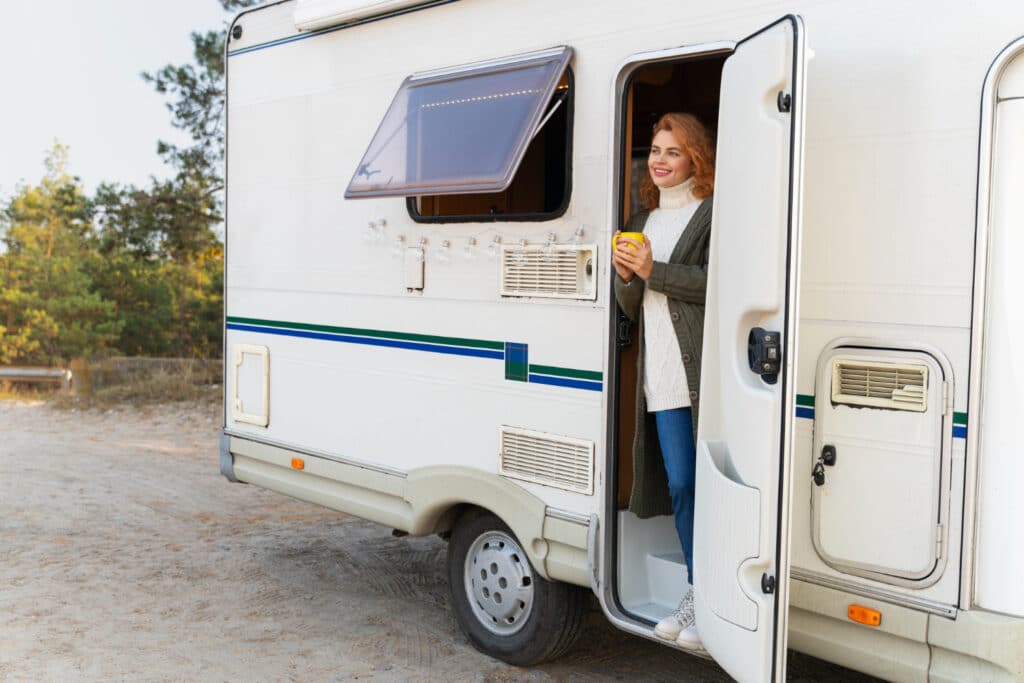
(668, 163)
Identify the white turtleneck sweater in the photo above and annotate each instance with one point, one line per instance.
(665, 385)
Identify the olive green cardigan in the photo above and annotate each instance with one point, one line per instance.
(683, 279)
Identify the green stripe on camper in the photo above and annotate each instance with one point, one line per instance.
(377, 334)
(805, 409)
(566, 372)
(515, 355)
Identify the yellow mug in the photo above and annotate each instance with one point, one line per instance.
(636, 236)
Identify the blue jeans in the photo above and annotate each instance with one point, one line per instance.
(675, 436)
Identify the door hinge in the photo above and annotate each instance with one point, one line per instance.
(938, 541)
(767, 584)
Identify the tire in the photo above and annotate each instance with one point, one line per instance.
(504, 607)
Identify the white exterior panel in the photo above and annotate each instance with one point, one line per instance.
(313, 14)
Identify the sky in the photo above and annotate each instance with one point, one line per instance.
(69, 71)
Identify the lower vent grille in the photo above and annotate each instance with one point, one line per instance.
(541, 458)
(880, 385)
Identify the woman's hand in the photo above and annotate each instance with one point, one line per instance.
(623, 270)
(629, 260)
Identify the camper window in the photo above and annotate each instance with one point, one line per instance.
(540, 188)
(466, 132)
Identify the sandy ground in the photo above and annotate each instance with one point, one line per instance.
(125, 556)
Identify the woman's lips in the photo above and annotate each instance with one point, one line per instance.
(661, 172)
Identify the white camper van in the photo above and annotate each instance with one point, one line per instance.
(421, 328)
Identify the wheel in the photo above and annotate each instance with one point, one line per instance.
(503, 606)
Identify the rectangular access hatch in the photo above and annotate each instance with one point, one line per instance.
(879, 505)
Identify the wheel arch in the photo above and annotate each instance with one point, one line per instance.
(439, 495)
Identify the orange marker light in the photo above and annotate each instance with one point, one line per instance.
(298, 463)
(864, 615)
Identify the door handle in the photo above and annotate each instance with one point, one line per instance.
(764, 354)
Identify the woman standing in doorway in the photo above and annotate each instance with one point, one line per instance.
(661, 285)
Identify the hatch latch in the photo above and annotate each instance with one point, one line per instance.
(764, 354)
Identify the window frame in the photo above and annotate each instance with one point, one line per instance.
(536, 217)
(473, 182)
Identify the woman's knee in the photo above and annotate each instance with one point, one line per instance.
(683, 477)
(681, 489)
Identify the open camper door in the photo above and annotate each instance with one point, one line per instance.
(741, 540)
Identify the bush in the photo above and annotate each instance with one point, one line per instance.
(140, 381)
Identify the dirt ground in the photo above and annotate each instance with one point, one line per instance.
(125, 556)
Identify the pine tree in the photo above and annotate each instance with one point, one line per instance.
(50, 309)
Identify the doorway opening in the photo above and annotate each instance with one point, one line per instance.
(650, 570)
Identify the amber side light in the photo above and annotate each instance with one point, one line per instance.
(298, 463)
(864, 615)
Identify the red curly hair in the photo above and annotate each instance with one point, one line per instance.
(695, 140)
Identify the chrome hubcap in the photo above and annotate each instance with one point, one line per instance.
(499, 583)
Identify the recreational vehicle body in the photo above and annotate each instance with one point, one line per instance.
(421, 329)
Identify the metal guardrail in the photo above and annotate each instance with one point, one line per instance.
(30, 374)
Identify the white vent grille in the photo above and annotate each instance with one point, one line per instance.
(562, 271)
(880, 385)
(556, 461)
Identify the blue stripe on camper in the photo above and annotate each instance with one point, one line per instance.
(565, 382)
(804, 410)
(372, 341)
(515, 355)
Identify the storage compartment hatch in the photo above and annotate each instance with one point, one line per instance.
(250, 400)
(879, 455)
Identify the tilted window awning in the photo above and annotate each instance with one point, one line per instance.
(461, 130)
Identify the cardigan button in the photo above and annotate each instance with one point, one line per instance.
(686, 359)
(693, 395)
(675, 316)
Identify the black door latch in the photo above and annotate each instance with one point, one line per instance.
(784, 101)
(826, 459)
(764, 353)
(622, 333)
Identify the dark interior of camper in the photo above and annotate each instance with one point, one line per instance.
(690, 86)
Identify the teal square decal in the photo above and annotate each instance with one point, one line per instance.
(517, 366)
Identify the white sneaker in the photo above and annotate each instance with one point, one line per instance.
(689, 639)
(671, 626)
